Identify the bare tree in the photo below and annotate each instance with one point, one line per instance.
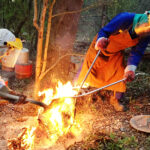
(43, 43)
(40, 28)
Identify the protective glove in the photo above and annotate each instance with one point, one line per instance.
(21, 100)
(129, 74)
(101, 43)
(6, 35)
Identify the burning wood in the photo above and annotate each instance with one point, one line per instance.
(53, 123)
(58, 120)
(23, 141)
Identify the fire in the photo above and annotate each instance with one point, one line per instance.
(55, 122)
(60, 117)
(25, 140)
(28, 139)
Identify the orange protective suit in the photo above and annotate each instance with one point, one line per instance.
(109, 66)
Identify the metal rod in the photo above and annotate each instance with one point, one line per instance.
(37, 103)
(89, 70)
(15, 99)
(96, 90)
(10, 96)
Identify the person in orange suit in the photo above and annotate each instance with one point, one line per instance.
(123, 31)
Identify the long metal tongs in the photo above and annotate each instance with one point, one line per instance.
(89, 70)
(15, 98)
(93, 91)
(96, 90)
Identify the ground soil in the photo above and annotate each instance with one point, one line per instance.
(96, 118)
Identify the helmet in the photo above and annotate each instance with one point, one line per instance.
(6, 35)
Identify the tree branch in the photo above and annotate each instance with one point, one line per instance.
(40, 39)
(48, 36)
(59, 59)
(78, 11)
(35, 16)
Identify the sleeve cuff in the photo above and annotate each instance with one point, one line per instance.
(130, 68)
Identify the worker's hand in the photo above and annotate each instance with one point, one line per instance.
(101, 43)
(21, 100)
(129, 74)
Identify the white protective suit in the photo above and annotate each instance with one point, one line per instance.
(5, 35)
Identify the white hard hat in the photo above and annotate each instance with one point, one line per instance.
(6, 35)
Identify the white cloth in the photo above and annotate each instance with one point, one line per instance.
(97, 42)
(6, 35)
(130, 68)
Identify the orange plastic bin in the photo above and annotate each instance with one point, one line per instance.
(23, 71)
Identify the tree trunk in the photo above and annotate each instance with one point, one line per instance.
(63, 34)
(40, 29)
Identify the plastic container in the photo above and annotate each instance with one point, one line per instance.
(23, 57)
(9, 69)
(23, 71)
(9, 61)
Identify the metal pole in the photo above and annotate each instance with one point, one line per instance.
(15, 99)
(96, 90)
(93, 91)
(89, 70)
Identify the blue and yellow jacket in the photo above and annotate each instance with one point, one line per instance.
(124, 21)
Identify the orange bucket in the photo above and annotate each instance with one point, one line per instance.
(23, 71)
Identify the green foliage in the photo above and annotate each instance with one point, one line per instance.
(140, 86)
(116, 143)
(147, 143)
(89, 20)
(17, 16)
(118, 6)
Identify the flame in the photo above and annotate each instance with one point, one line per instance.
(55, 122)
(25, 140)
(60, 117)
(28, 139)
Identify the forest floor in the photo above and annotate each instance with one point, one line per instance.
(102, 128)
